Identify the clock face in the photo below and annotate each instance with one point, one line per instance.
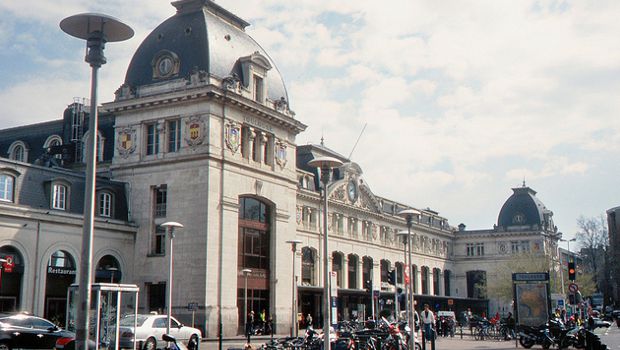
(352, 191)
(164, 66)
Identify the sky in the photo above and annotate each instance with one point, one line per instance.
(459, 101)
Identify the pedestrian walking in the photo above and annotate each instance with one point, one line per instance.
(429, 321)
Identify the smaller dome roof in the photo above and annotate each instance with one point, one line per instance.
(523, 209)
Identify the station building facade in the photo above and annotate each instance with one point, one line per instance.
(201, 133)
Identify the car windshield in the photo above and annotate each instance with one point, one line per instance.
(127, 320)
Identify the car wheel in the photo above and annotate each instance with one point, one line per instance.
(150, 344)
(5, 346)
(193, 343)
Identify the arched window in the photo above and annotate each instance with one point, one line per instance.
(353, 267)
(18, 151)
(436, 277)
(253, 234)
(337, 267)
(7, 183)
(308, 263)
(424, 277)
(385, 269)
(100, 145)
(53, 141)
(446, 282)
(108, 270)
(367, 269)
(399, 273)
(414, 275)
(60, 275)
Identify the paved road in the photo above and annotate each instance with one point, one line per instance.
(609, 337)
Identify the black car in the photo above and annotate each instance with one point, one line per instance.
(30, 332)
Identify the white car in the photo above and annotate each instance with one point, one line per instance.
(149, 331)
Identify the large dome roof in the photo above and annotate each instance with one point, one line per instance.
(201, 36)
(522, 208)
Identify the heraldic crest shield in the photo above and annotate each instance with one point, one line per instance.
(233, 136)
(126, 142)
(196, 131)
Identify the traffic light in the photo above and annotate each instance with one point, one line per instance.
(391, 277)
(368, 285)
(571, 271)
(571, 299)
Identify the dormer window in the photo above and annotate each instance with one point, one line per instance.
(59, 196)
(104, 204)
(254, 70)
(18, 151)
(6, 187)
(258, 89)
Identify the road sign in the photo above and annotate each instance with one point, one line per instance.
(573, 287)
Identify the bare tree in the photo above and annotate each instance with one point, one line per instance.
(594, 241)
(592, 236)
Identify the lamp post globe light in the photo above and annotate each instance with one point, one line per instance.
(170, 226)
(326, 164)
(294, 326)
(96, 29)
(408, 215)
(245, 272)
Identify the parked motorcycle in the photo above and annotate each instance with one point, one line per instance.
(531, 335)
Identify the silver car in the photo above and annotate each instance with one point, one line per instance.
(149, 331)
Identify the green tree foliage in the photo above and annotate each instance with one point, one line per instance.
(500, 286)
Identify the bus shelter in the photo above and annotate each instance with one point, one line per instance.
(109, 303)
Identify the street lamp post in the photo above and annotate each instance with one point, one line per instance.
(405, 238)
(112, 270)
(96, 29)
(170, 226)
(409, 214)
(245, 272)
(294, 330)
(326, 164)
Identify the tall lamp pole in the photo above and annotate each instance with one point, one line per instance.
(409, 214)
(405, 237)
(170, 226)
(326, 164)
(245, 272)
(294, 331)
(96, 29)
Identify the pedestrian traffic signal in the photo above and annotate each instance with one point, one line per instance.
(368, 285)
(571, 271)
(391, 277)
(571, 299)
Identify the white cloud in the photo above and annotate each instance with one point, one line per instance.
(462, 98)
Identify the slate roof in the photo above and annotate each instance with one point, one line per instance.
(205, 37)
(522, 201)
